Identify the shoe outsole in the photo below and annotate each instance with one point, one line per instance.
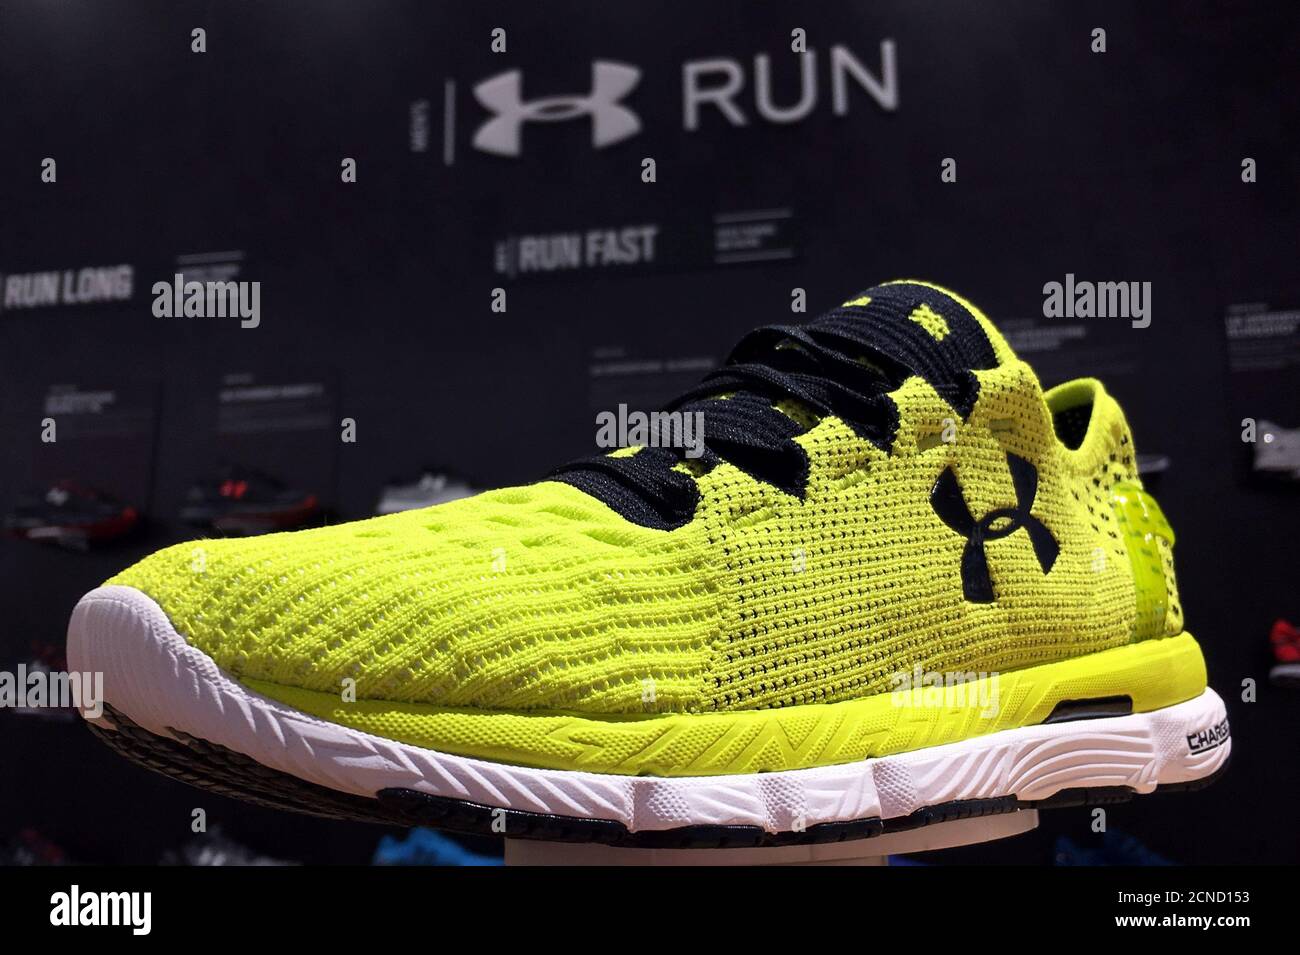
(217, 769)
(169, 707)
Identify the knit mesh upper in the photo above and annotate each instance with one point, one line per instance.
(544, 598)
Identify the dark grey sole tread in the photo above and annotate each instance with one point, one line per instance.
(223, 771)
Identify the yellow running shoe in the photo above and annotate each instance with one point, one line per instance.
(866, 576)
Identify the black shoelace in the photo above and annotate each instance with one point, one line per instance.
(826, 369)
(844, 364)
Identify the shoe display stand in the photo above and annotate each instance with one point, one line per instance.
(873, 851)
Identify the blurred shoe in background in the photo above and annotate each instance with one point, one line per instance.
(70, 515)
(1277, 451)
(432, 487)
(245, 501)
(215, 848)
(28, 847)
(1285, 640)
(427, 847)
(1117, 848)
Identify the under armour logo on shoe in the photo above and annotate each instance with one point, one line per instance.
(610, 120)
(947, 500)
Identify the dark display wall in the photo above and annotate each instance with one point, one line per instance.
(1117, 166)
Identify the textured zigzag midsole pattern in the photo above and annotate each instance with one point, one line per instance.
(167, 687)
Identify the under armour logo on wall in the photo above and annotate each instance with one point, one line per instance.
(948, 502)
(611, 121)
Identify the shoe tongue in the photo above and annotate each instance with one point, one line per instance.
(945, 316)
(926, 329)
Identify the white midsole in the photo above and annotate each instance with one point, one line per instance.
(153, 676)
